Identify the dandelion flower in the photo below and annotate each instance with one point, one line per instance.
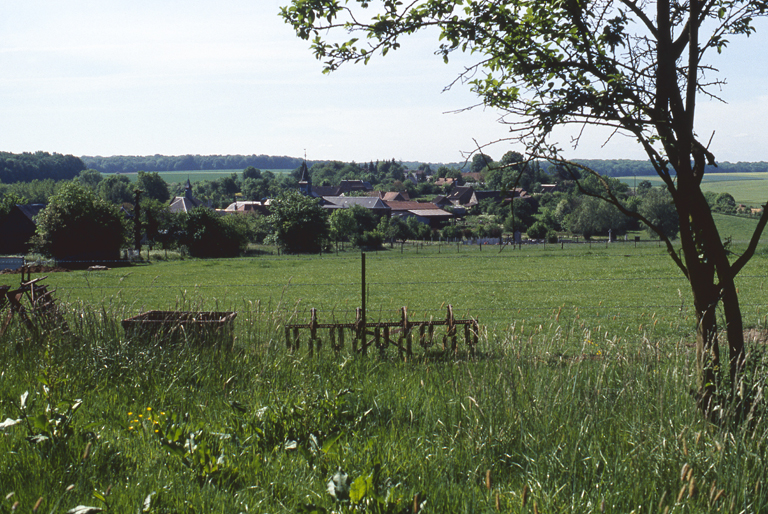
(149, 408)
(130, 413)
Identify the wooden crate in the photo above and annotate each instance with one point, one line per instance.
(178, 326)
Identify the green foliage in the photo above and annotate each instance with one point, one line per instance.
(206, 234)
(658, 208)
(300, 224)
(26, 167)
(116, 189)
(538, 230)
(90, 178)
(8, 202)
(153, 186)
(76, 225)
(725, 203)
(592, 216)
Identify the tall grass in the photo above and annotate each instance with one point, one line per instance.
(544, 418)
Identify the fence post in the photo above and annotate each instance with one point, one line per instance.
(362, 293)
(313, 340)
(405, 334)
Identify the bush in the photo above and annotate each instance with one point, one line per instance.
(370, 240)
(206, 234)
(78, 226)
(538, 230)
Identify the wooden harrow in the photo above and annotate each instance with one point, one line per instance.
(400, 334)
(33, 303)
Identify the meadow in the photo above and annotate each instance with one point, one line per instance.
(180, 177)
(748, 188)
(577, 400)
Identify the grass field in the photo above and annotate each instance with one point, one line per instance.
(562, 409)
(747, 188)
(613, 288)
(196, 175)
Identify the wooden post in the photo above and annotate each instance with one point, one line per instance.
(313, 332)
(358, 332)
(295, 338)
(362, 295)
(288, 343)
(451, 329)
(406, 335)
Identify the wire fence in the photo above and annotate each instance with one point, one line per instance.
(616, 302)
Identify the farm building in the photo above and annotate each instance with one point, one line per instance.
(18, 227)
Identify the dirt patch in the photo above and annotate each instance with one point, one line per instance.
(34, 269)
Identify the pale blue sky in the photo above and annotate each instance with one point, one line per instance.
(108, 77)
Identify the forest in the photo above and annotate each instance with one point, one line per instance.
(25, 167)
(133, 164)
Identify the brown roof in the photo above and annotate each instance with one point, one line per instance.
(396, 196)
(407, 206)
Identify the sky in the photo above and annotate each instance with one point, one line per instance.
(223, 77)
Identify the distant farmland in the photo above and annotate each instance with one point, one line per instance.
(196, 175)
(747, 188)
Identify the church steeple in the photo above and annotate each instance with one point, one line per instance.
(305, 182)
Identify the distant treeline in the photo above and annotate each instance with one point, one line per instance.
(26, 167)
(136, 163)
(627, 168)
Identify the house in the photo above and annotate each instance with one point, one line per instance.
(444, 181)
(346, 186)
(425, 212)
(463, 196)
(372, 203)
(248, 206)
(187, 202)
(550, 188)
(399, 196)
(18, 227)
(476, 176)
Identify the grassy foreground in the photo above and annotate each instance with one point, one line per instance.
(578, 399)
(531, 424)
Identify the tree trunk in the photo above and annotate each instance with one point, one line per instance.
(712, 283)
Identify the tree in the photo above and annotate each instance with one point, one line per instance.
(116, 189)
(725, 203)
(207, 234)
(657, 207)
(635, 67)
(153, 186)
(300, 223)
(90, 178)
(593, 217)
(342, 225)
(76, 225)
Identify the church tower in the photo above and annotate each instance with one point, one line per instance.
(305, 182)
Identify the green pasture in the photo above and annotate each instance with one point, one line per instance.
(173, 177)
(613, 289)
(551, 414)
(747, 188)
